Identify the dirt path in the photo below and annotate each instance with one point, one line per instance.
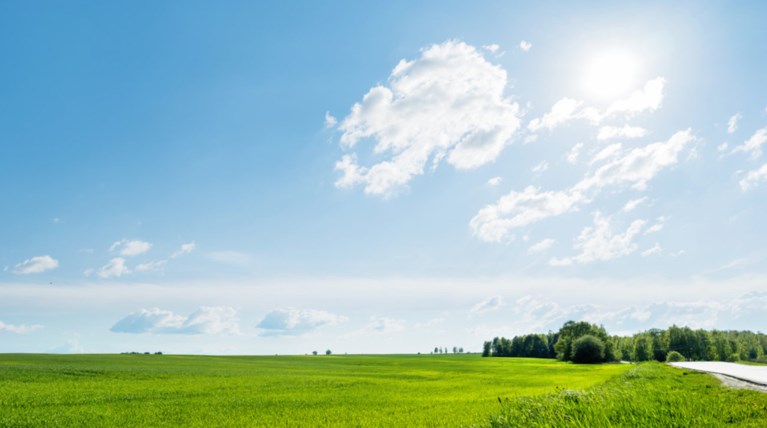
(731, 374)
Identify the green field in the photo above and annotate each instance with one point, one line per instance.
(168, 390)
(648, 395)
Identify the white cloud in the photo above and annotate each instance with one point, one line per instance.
(572, 155)
(732, 123)
(567, 109)
(115, 268)
(517, 209)
(447, 105)
(330, 120)
(487, 305)
(753, 178)
(632, 204)
(541, 167)
(206, 320)
(722, 147)
(541, 246)
(384, 325)
(19, 329)
(494, 181)
(293, 322)
(647, 98)
(655, 249)
(658, 226)
(639, 165)
(561, 112)
(754, 144)
(492, 48)
(608, 152)
(185, 249)
(151, 266)
(609, 132)
(37, 264)
(600, 243)
(130, 248)
(525, 46)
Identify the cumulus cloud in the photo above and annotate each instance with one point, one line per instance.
(448, 105)
(492, 48)
(206, 320)
(115, 268)
(541, 246)
(753, 178)
(19, 329)
(494, 222)
(525, 46)
(610, 132)
(37, 264)
(130, 248)
(294, 322)
(600, 243)
(753, 145)
(487, 305)
(494, 181)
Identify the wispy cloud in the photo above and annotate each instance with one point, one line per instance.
(732, 123)
(37, 264)
(600, 243)
(130, 248)
(487, 305)
(753, 178)
(754, 144)
(610, 132)
(525, 46)
(19, 329)
(541, 246)
(115, 268)
(494, 181)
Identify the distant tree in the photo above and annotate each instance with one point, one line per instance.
(436, 350)
(642, 349)
(328, 352)
(486, 348)
(314, 352)
(460, 350)
(588, 349)
(455, 349)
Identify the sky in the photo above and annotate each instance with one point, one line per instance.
(377, 177)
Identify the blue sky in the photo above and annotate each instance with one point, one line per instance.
(258, 179)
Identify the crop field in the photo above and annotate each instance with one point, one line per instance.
(169, 390)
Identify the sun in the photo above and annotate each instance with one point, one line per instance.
(610, 74)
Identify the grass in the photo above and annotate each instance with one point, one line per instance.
(649, 395)
(365, 391)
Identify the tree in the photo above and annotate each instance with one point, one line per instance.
(328, 352)
(314, 352)
(588, 349)
(674, 357)
(436, 350)
(486, 348)
(642, 349)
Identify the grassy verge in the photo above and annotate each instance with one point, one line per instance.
(294, 391)
(649, 395)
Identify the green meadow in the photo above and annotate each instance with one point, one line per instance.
(273, 391)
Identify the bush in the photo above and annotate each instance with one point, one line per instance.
(674, 357)
(734, 358)
(588, 349)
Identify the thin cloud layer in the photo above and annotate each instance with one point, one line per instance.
(487, 305)
(19, 329)
(206, 320)
(294, 322)
(449, 105)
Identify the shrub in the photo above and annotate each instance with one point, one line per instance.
(674, 357)
(734, 358)
(588, 349)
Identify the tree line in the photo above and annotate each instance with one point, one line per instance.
(589, 343)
